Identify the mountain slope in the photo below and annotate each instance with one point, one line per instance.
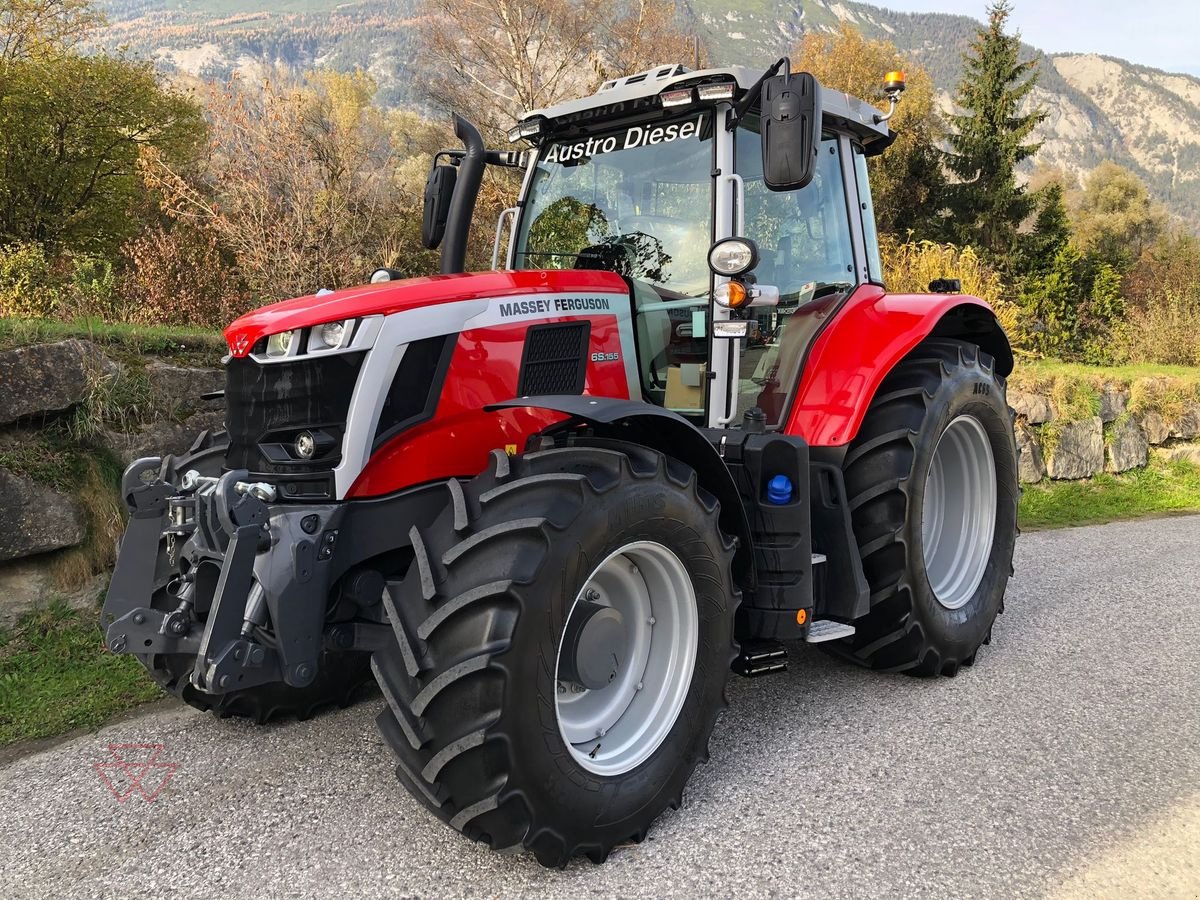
(1098, 107)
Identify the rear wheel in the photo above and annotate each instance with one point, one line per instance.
(932, 485)
(562, 645)
(340, 678)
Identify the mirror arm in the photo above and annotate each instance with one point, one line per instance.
(751, 96)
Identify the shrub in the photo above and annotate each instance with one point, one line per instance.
(92, 291)
(27, 285)
(909, 268)
(179, 276)
(1166, 330)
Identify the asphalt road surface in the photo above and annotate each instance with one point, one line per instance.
(1066, 763)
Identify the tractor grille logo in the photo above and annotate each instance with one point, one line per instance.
(135, 768)
(240, 344)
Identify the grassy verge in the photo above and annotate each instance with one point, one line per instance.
(1161, 487)
(55, 676)
(187, 346)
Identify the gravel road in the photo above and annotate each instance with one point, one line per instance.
(1066, 763)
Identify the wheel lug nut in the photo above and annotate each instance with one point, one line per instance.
(592, 594)
(651, 620)
(639, 685)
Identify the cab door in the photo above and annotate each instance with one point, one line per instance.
(812, 248)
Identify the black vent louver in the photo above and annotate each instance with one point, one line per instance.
(555, 359)
(416, 386)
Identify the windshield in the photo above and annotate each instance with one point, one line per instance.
(636, 201)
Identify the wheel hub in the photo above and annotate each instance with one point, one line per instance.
(626, 658)
(593, 646)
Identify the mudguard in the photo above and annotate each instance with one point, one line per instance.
(668, 432)
(865, 340)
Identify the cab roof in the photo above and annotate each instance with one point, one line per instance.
(640, 94)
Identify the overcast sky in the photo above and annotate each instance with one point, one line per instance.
(1160, 33)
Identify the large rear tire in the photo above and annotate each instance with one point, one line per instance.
(546, 567)
(932, 487)
(340, 678)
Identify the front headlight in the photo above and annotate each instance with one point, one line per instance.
(280, 344)
(330, 336)
(733, 256)
(332, 333)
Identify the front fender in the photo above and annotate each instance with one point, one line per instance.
(668, 432)
(865, 340)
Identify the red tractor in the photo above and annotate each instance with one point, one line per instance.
(548, 507)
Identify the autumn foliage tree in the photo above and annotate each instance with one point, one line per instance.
(907, 184)
(304, 184)
(493, 60)
(72, 128)
(43, 29)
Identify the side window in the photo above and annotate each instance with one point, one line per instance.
(806, 251)
(870, 235)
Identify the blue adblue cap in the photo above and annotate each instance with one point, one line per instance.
(779, 490)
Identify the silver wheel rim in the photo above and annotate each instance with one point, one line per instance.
(612, 730)
(958, 521)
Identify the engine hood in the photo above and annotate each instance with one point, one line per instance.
(399, 296)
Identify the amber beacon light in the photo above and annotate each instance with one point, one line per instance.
(893, 87)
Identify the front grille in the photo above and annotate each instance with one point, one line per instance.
(555, 359)
(267, 405)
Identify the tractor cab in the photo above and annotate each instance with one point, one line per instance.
(737, 240)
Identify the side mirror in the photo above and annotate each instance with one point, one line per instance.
(439, 189)
(791, 130)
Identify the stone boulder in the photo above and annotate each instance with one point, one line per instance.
(1187, 426)
(48, 377)
(1154, 427)
(161, 438)
(176, 390)
(1033, 408)
(36, 518)
(1031, 467)
(29, 584)
(1079, 451)
(1113, 402)
(1127, 446)
(1188, 453)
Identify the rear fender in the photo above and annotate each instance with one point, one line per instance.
(865, 341)
(636, 422)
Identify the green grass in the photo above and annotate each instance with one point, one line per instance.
(1160, 488)
(55, 676)
(188, 346)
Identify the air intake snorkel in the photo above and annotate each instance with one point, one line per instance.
(466, 190)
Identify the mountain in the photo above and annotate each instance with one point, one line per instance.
(1099, 107)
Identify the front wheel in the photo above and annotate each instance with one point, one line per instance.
(563, 640)
(932, 485)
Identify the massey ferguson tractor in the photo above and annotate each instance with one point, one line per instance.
(548, 507)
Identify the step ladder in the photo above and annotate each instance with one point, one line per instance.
(826, 629)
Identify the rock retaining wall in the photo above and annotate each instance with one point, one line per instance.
(1117, 438)
(63, 407)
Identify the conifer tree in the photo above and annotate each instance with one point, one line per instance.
(990, 138)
